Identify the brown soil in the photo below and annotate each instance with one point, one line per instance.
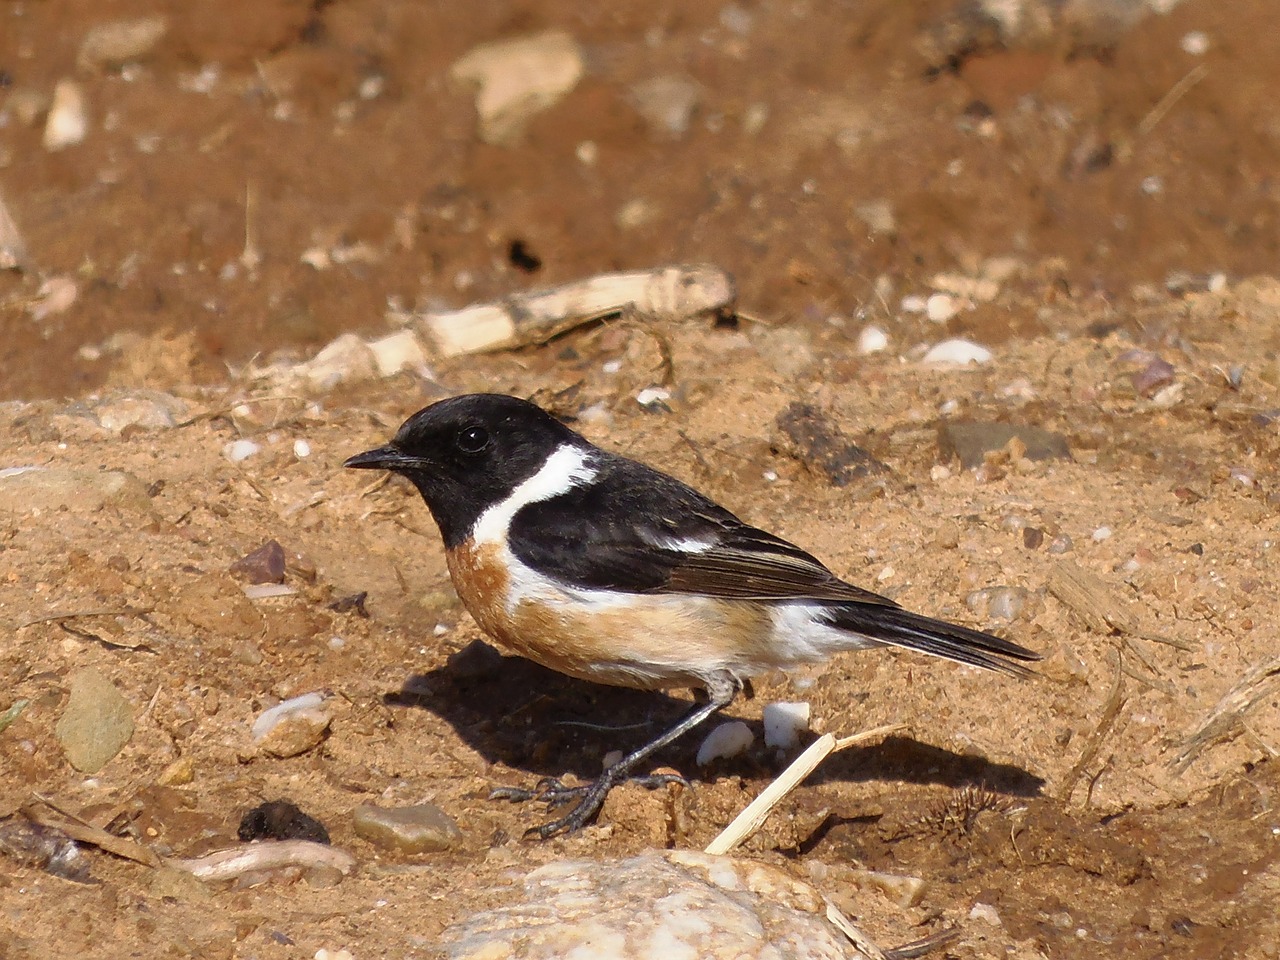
(1095, 844)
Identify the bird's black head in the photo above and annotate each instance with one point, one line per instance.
(467, 453)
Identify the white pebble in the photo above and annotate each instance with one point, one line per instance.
(68, 119)
(1152, 185)
(238, 450)
(770, 476)
(301, 449)
(872, 340)
(269, 718)
(939, 472)
(986, 913)
(784, 722)
(337, 643)
(587, 153)
(727, 740)
(611, 366)
(958, 351)
(1102, 533)
(1196, 43)
(651, 395)
(887, 573)
(941, 307)
(398, 351)
(914, 304)
(56, 295)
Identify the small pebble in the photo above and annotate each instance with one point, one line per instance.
(727, 740)
(295, 732)
(1032, 537)
(997, 603)
(1195, 42)
(1060, 544)
(652, 396)
(872, 340)
(55, 296)
(941, 307)
(301, 449)
(914, 304)
(422, 828)
(985, 913)
(269, 719)
(784, 723)
(958, 352)
(1154, 375)
(239, 450)
(265, 564)
(1102, 533)
(68, 119)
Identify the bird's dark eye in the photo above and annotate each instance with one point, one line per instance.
(473, 439)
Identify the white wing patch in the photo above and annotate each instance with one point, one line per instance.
(678, 544)
(565, 469)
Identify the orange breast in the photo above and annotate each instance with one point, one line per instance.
(639, 641)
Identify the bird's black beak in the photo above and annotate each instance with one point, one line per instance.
(381, 458)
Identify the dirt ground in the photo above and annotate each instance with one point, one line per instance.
(272, 174)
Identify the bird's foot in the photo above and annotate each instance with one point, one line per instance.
(590, 797)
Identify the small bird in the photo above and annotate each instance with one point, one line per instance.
(607, 570)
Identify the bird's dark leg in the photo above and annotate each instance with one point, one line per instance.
(720, 695)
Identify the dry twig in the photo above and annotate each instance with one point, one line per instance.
(1257, 683)
(1093, 601)
(1115, 702)
(757, 811)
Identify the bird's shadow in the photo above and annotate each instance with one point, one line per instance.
(530, 718)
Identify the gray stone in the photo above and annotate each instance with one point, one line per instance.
(423, 828)
(667, 103)
(675, 904)
(96, 723)
(815, 440)
(146, 410)
(972, 440)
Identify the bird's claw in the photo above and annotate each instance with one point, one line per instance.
(554, 793)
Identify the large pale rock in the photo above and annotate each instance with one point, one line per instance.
(675, 904)
(74, 489)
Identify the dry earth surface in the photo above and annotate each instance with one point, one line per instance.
(266, 176)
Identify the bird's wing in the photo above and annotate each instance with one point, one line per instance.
(639, 531)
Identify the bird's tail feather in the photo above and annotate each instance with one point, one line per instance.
(902, 628)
